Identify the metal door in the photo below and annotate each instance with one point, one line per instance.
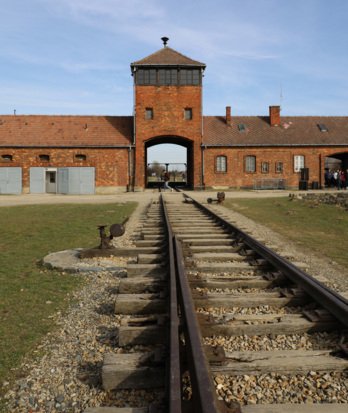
(10, 180)
(76, 181)
(63, 180)
(51, 182)
(37, 180)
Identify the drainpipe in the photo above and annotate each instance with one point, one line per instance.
(130, 171)
(134, 110)
(202, 175)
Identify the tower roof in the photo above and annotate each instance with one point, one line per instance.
(167, 57)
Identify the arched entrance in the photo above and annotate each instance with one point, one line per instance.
(180, 168)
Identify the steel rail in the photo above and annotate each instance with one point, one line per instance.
(329, 299)
(203, 391)
(174, 371)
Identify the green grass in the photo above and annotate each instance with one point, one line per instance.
(322, 229)
(28, 233)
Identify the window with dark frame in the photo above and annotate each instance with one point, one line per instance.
(188, 113)
(250, 163)
(80, 157)
(168, 76)
(279, 167)
(6, 158)
(44, 157)
(221, 163)
(265, 167)
(148, 113)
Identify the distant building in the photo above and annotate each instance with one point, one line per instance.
(106, 154)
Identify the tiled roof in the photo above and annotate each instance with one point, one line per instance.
(293, 130)
(69, 131)
(167, 57)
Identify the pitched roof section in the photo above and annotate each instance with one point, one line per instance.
(293, 130)
(65, 131)
(167, 57)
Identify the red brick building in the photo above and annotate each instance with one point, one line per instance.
(106, 154)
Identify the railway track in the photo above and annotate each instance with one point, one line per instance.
(216, 322)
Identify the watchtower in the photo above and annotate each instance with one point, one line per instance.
(168, 108)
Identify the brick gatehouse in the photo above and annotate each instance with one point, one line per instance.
(107, 154)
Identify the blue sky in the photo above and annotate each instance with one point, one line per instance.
(73, 56)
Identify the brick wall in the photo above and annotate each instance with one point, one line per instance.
(111, 165)
(168, 104)
(236, 177)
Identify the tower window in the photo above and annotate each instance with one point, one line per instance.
(148, 113)
(167, 77)
(188, 113)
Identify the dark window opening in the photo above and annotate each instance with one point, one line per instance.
(80, 157)
(241, 127)
(44, 158)
(168, 76)
(322, 127)
(7, 158)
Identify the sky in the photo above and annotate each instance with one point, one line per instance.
(72, 57)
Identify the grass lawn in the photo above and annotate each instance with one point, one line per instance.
(320, 229)
(30, 294)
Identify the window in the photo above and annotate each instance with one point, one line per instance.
(279, 167)
(146, 77)
(148, 113)
(188, 113)
(221, 164)
(44, 158)
(298, 163)
(196, 77)
(80, 157)
(265, 167)
(250, 164)
(6, 158)
(190, 77)
(241, 127)
(167, 77)
(322, 127)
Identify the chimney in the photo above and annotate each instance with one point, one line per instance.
(228, 115)
(274, 115)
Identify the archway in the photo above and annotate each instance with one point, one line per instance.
(335, 162)
(171, 154)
